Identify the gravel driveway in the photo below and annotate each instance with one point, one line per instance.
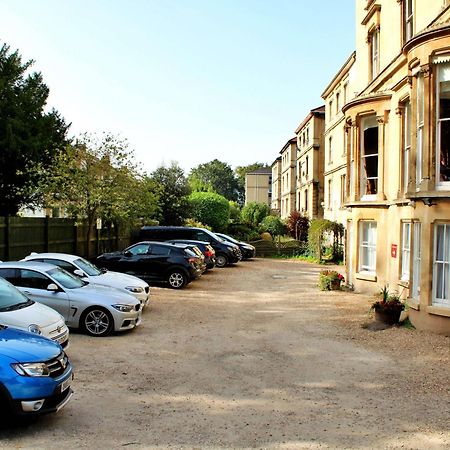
(252, 356)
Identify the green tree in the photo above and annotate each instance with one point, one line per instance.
(273, 225)
(211, 209)
(241, 172)
(214, 176)
(173, 189)
(29, 137)
(97, 178)
(235, 211)
(253, 213)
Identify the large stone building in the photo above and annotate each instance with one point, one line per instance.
(339, 92)
(258, 186)
(398, 156)
(309, 163)
(288, 177)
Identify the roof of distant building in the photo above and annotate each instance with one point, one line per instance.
(260, 171)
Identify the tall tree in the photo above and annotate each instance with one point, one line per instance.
(29, 137)
(241, 172)
(214, 176)
(173, 189)
(97, 178)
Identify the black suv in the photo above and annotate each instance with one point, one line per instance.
(155, 261)
(226, 252)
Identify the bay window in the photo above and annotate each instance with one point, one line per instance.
(419, 128)
(406, 144)
(441, 266)
(369, 156)
(443, 124)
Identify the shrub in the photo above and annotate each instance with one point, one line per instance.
(298, 226)
(210, 208)
(329, 280)
(253, 213)
(273, 225)
(243, 232)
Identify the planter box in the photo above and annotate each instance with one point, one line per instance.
(387, 317)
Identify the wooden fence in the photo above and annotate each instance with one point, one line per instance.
(19, 236)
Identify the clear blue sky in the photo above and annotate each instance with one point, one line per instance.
(184, 80)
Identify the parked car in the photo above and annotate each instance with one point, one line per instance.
(97, 310)
(155, 261)
(226, 253)
(193, 248)
(18, 311)
(35, 374)
(208, 252)
(247, 250)
(89, 272)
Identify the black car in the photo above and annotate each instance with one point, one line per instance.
(226, 252)
(155, 261)
(205, 248)
(247, 250)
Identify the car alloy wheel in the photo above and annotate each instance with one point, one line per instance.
(221, 260)
(98, 322)
(177, 280)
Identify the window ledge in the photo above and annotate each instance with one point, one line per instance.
(366, 276)
(439, 311)
(413, 304)
(404, 283)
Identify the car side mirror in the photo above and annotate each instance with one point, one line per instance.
(52, 287)
(79, 273)
(128, 254)
(103, 270)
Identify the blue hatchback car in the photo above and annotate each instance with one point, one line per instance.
(35, 374)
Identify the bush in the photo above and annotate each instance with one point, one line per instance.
(210, 208)
(298, 226)
(329, 280)
(235, 212)
(253, 213)
(243, 232)
(273, 225)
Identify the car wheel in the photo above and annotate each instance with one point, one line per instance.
(177, 279)
(221, 260)
(97, 322)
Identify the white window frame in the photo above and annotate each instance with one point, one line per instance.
(363, 175)
(440, 185)
(417, 257)
(420, 115)
(406, 144)
(375, 53)
(369, 247)
(441, 294)
(406, 251)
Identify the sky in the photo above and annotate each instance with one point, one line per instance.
(184, 80)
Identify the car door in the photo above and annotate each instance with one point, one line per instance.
(157, 261)
(136, 260)
(34, 285)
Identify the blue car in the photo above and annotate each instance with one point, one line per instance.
(35, 374)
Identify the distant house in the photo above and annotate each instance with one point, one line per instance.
(276, 185)
(258, 186)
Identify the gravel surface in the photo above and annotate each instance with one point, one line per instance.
(252, 356)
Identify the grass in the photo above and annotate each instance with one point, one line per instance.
(305, 258)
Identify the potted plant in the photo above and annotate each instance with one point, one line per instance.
(330, 280)
(388, 307)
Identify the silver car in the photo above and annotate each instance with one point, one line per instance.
(98, 310)
(91, 273)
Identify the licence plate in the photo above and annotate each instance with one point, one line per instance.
(65, 384)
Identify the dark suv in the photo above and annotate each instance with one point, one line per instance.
(155, 261)
(226, 252)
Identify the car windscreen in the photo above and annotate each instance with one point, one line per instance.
(229, 238)
(190, 253)
(88, 267)
(11, 298)
(66, 279)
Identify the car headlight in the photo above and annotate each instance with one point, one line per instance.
(124, 308)
(32, 369)
(135, 289)
(36, 329)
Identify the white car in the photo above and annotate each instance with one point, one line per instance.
(89, 272)
(18, 311)
(97, 310)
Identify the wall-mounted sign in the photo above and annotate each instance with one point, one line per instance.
(394, 250)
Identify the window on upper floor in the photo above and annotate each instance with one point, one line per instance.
(443, 125)
(374, 52)
(369, 156)
(306, 200)
(307, 167)
(406, 125)
(345, 93)
(307, 135)
(330, 109)
(420, 114)
(330, 150)
(338, 102)
(329, 194)
(408, 19)
(343, 190)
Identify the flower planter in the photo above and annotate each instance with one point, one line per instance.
(335, 285)
(387, 317)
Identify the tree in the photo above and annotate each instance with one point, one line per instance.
(214, 176)
(211, 209)
(253, 213)
(273, 225)
(97, 178)
(297, 226)
(241, 172)
(235, 211)
(173, 189)
(29, 137)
